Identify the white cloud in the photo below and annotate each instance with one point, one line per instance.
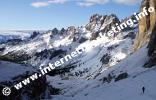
(57, 1)
(127, 2)
(87, 3)
(39, 4)
(97, 1)
(47, 3)
(84, 3)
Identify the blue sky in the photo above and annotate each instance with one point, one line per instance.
(47, 14)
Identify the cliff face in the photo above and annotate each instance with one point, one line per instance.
(152, 41)
(152, 48)
(147, 32)
(146, 25)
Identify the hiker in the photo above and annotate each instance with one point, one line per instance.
(143, 89)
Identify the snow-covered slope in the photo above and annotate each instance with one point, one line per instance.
(129, 88)
(12, 73)
(10, 70)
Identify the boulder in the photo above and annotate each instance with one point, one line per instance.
(121, 76)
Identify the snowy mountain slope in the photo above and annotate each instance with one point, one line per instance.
(116, 49)
(127, 89)
(11, 70)
(95, 50)
(12, 73)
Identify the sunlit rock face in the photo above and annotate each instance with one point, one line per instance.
(146, 24)
(147, 32)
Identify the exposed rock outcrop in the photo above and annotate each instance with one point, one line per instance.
(34, 34)
(152, 49)
(146, 25)
(121, 76)
(147, 32)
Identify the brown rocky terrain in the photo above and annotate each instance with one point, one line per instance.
(146, 25)
(147, 32)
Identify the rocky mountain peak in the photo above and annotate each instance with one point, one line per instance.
(55, 31)
(101, 23)
(97, 22)
(71, 30)
(62, 31)
(95, 18)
